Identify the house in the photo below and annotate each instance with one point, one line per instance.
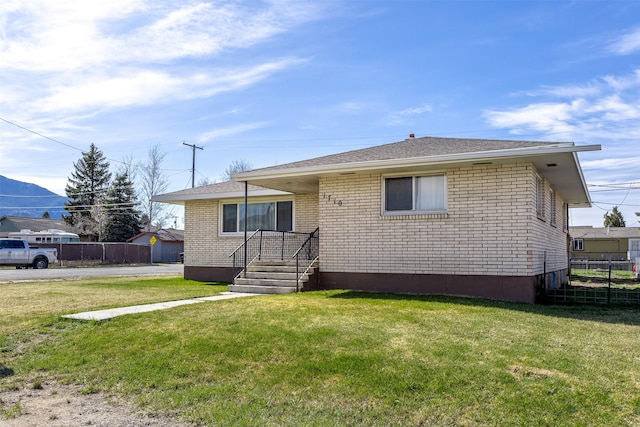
(168, 244)
(10, 223)
(473, 217)
(617, 243)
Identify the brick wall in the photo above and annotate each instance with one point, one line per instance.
(491, 226)
(204, 247)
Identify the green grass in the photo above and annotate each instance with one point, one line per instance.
(345, 358)
(617, 276)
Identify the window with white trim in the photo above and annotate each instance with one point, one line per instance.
(415, 194)
(263, 215)
(578, 244)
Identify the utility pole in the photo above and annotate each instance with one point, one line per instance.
(193, 162)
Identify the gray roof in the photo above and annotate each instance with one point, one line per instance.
(555, 161)
(587, 232)
(412, 148)
(163, 234)
(220, 190)
(10, 223)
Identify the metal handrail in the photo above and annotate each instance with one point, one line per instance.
(242, 244)
(312, 255)
(269, 244)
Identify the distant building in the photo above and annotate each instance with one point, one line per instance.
(168, 246)
(9, 223)
(602, 243)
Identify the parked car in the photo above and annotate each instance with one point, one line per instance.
(17, 252)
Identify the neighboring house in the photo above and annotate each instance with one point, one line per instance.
(10, 224)
(169, 244)
(619, 243)
(484, 218)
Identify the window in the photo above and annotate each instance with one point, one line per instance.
(416, 193)
(266, 216)
(578, 245)
(553, 208)
(11, 244)
(540, 197)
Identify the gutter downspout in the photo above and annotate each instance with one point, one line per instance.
(246, 208)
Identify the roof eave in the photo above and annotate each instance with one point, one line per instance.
(180, 199)
(252, 176)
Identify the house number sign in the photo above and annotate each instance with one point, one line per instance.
(330, 199)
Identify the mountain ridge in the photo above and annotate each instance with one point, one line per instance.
(18, 198)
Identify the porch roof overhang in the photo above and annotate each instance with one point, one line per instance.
(180, 197)
(556, 163)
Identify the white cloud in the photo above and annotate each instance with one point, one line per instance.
(146, 87)
(631, 162)
(86, 56)
(627, 43)
(72, 35)
(229, 131)
(605, 108)
(398, 117)
(590, 89)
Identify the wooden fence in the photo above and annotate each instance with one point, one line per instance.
(100, 253)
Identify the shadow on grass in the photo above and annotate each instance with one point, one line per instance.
(612, 314)
(5, 372)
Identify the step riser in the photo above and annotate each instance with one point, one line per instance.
(264, 282)
(271, 277)
(261, 289)
(274, 269)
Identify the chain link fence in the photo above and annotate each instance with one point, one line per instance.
(601, 281)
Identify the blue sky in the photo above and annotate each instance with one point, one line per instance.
(271, 82)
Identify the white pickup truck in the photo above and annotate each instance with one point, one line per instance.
(17, 252)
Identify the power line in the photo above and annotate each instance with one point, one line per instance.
(39, 134)
(193, 162)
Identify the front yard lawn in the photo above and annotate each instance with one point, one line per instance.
(332, 358)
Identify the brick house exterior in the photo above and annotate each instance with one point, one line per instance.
(484, 218)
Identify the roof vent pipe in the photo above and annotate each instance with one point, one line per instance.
(412, 135)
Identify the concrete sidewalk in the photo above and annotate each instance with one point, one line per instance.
(110, 313)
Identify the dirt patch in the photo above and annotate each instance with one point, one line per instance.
(65, 405)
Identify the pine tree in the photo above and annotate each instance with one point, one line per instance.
(614, 219)
(84, 190)
(124, 219)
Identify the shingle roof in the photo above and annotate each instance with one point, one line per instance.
(217, 188)
(604, 232)
(17, 223)
(227, 189)
(555, 161)
(164, 234)
(413, 148)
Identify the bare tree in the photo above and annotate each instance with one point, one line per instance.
(205, 181)
(235, 167)
(153, 180)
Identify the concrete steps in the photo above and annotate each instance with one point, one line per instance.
(270, 277)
